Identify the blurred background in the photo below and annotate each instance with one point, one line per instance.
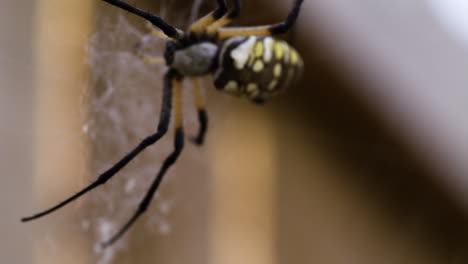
(364, 161)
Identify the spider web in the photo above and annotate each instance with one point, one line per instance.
(122, 103)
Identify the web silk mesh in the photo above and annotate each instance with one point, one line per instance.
(122, 104)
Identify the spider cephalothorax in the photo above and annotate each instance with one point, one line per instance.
(245, 61)
(194, 60)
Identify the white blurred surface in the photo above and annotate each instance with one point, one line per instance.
(453, 15)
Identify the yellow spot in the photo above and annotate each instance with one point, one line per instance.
(279, 50)
(259, 49)
(277, 70)
(287, 51)
(231, 87)
(272, 85)
(294, 57)
(258, 66)
(256, 51)
(252, 89)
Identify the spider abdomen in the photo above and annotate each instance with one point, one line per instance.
(256, 67)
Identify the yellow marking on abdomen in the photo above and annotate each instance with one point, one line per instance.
(294, 57)
(258, 66)
(252, 89)
(277, 70)
(279, 50)
(231, 86)
(259, 49)
(272, 85)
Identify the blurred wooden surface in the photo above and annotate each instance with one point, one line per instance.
(62, 30)
(243, 157)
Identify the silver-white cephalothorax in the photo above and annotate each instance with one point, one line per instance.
(195, 60)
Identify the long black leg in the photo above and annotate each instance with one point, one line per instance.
(267, 30)
(165, 116)
(168, 162)
(221, 10)
(200, 25)
(178, 145)
(203, 121)
(226, 19)
(202, 115)
(167, 28)
(283, 27)
(236, 11)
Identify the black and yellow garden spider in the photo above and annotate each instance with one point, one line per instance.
(245, 61)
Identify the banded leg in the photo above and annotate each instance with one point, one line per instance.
(165, 116)
(226, 19)
(202, 115)
(151, 60)
(167, 28)
(168, 162)
(267, 30)
(146, 58)
(200, 25)
(155, 32)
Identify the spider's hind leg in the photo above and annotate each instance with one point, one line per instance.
(167, 28)
(226, 19)
(267, 30)
(164, 119)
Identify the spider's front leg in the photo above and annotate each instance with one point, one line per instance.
(165, 116)
(168, 29)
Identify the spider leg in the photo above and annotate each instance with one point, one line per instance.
(155, 32)
(168, 162)
(226, 19)
(165, 116)
(267, 30)
(202, 115)
(146, 58)
(151, 60)
(167, 28)
(200, 25)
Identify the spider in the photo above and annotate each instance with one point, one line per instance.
(245, 62)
